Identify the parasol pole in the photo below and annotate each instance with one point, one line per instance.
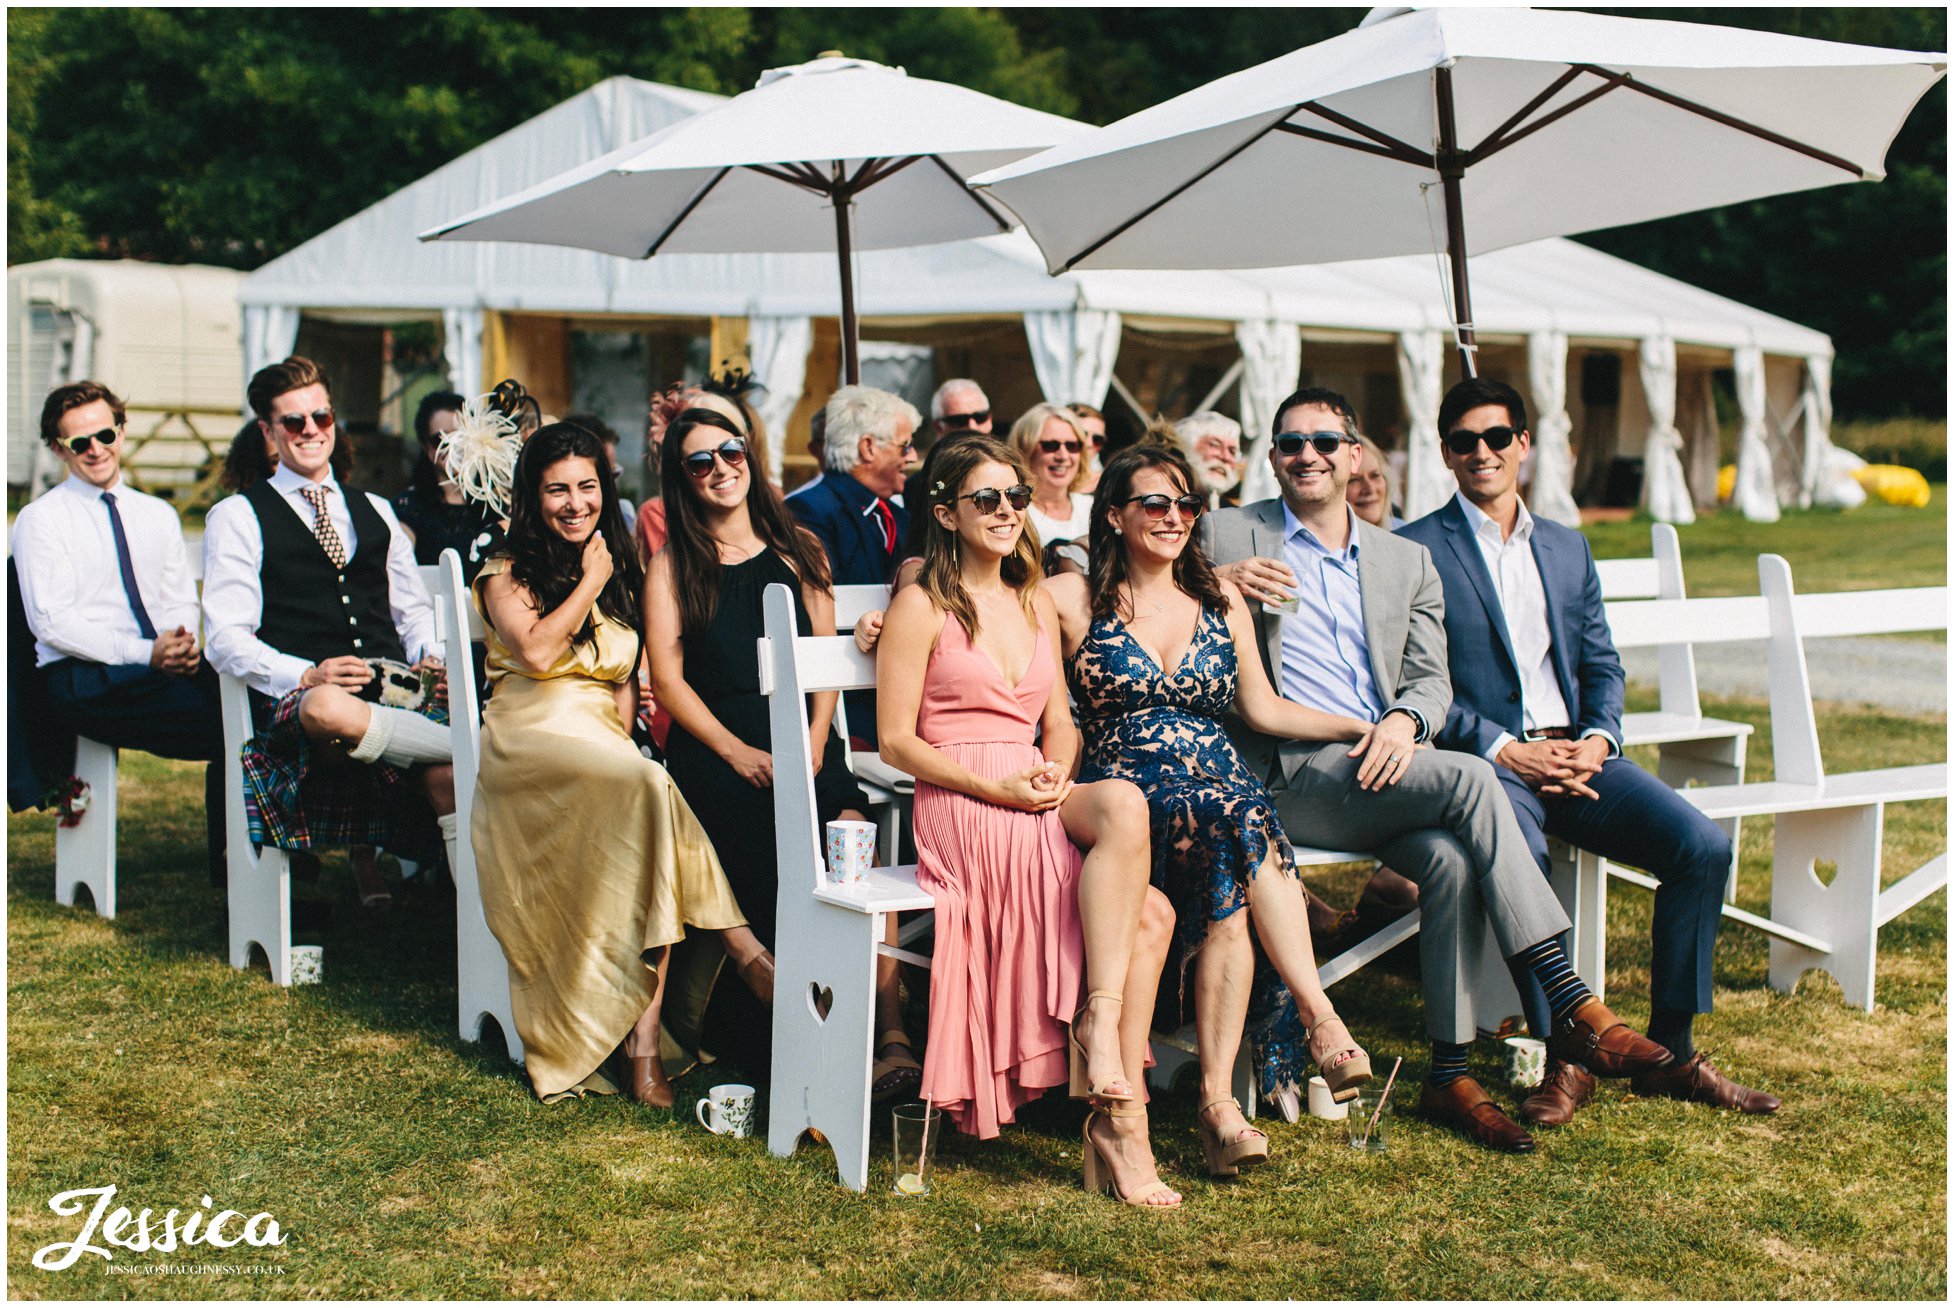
(851, 362)
(1451, 172)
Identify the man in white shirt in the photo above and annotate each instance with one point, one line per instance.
(305, 582)
(1537, 691)
(106, 587)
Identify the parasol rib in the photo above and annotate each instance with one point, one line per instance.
(1410, 154)
(1350, 143)
(990, 210)
(1527, 108)
(686, 212)
(1718, 116)
(1492, 145)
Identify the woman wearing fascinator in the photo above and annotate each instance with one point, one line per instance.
(591, 861)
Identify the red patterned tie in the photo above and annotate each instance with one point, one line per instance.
(886, 516)
(322, 525)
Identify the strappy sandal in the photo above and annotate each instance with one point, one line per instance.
(1117, 1091)
(1340, 1059)
(1099, 1176)
(1249, 1148)
(757, 972)
(897, 1072)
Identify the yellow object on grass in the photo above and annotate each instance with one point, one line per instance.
(1894, 484)
(1726, 482)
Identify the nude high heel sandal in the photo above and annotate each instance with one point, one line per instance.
(1111, 1092)
(1248, 1149)
(1099, 1177)
(1344, 1064)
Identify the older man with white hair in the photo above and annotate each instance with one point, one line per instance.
(960, 405)
(1213, 444)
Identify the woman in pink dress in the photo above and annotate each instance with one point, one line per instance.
(1030, 935)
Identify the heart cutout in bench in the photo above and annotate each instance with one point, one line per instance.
(820, 1000)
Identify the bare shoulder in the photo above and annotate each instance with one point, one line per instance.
(912, 604)
(1067, 592)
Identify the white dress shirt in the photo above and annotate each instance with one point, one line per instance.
(1523, 599)
(71, 581)
(234, 550)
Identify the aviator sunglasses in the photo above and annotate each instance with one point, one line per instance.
(698, 464)
(1464, 442)
(986, 501)
(1324, 442)
(1156, 506)
(107, 436)
(295, 422)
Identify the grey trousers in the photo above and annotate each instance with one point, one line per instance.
(1448, 826)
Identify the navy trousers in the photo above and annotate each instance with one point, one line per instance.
(1641, 822)
(137, 707)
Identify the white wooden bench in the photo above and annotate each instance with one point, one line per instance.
(84, 854)
(887, 788)
(828, 938)
(1817, 818)
(481, 971)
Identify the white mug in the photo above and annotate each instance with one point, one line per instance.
(1526, 1062)
(308, 964)
(727, 1110)
(851, 852)
(1322, 1105)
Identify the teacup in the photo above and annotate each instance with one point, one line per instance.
(308, 964)
(727, 1110)
(1526, 1062)
(851, 852)
(1322, 1105)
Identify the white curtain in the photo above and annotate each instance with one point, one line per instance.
(1272, 360)
(1072, 351)
(777, 348)
(271, 332)
(1665, 492)
(1421, 379)
(461, 350)
(1818, 424)
(1756, 494)
(1551, 495)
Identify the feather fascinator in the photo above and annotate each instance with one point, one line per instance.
(480, 453)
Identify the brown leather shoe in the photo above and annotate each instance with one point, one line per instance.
(1603, 1043)
(1467, 1109)
(1696, 1081)
(1562, 1092)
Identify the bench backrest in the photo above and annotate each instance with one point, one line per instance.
(1628, 578)
(792, 667)
(454, 611)
(852, 602)
(1659, 576)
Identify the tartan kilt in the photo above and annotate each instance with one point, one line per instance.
(292, 804)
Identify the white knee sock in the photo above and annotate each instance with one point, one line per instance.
(450, 824)
(403, 738)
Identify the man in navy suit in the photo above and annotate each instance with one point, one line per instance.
(869, 436)
(1537, 690)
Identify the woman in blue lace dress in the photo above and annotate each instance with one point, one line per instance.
(1159, 650)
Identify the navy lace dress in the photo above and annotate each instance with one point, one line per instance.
(1213, 823)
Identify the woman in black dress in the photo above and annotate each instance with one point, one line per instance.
(731, 537)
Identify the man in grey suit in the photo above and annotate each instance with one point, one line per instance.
(1365, 636)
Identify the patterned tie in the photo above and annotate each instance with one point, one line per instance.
(322, 525)
(128, 567)
(887, 518)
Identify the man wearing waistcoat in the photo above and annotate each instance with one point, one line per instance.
(1537, 692)
(304, 582)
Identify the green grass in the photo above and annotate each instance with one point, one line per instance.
(1914, 442)
(1826, 549)
(405, 1164)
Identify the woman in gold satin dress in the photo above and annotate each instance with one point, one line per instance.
(591, 863)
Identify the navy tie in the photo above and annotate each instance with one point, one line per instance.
(122, 559)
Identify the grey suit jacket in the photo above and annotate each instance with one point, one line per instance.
(1404, 622)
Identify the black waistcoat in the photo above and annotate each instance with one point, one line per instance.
(312, 609)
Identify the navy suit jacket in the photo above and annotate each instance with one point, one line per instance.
(837, 509)
(1485, 674)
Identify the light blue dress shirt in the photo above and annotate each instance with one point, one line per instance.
(1325, 657)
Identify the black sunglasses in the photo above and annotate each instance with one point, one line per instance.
(1053, 447)
(986, 501)
(107, 436)
(295, 422)
(1324, 442)
(698, 464)
(1156, 506)
(1465, 442)
(971, 419)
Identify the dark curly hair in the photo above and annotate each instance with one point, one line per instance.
(1192, 571)
(550, 566)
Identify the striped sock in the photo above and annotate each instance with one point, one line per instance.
(1448, 1064)
(1565, 991)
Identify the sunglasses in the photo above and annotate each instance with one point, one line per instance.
(107, 436)
(1156, 506)
(974, 418)
(1324, 442)
(1465, 442)
(1053, 447)
(698, 464)
(295, 422)
(986, 501)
